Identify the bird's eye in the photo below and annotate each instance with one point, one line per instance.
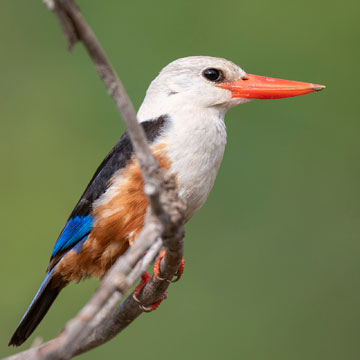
(213, 74)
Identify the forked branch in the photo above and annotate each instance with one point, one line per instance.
(98, 321)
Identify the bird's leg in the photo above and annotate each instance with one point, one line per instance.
(157, 268)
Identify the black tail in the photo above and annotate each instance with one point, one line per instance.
(36, 311)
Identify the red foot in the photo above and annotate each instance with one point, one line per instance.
(157, 268)
(145, 277)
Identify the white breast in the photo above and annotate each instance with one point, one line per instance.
(195, 146)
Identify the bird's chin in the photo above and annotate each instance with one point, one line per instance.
(237, 101)
(230, 103)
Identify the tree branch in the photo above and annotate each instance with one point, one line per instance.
(76, 29)
(97, 322)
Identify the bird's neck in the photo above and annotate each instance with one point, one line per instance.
(195, 140)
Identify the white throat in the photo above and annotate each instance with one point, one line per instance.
(195, 142)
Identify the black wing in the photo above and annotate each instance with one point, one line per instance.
(115, 160)
(79, 224)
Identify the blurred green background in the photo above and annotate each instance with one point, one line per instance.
(272, 259)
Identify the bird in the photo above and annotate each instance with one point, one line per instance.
(183, 118)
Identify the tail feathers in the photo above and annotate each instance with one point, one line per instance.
(38, 308)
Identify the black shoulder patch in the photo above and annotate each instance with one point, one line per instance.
(115, 160)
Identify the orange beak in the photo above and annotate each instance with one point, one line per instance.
(263, 87)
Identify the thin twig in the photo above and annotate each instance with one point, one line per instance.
(76, 29)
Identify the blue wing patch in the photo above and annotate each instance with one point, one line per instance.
(74, 233)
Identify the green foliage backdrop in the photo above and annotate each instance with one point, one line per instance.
(273, 264)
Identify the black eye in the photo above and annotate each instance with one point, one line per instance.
(213, 74)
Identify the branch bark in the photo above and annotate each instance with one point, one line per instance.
(97, 322)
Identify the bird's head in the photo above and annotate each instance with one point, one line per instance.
(200, 82)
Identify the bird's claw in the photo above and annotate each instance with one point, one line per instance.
(157, 269)
(145, 277)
